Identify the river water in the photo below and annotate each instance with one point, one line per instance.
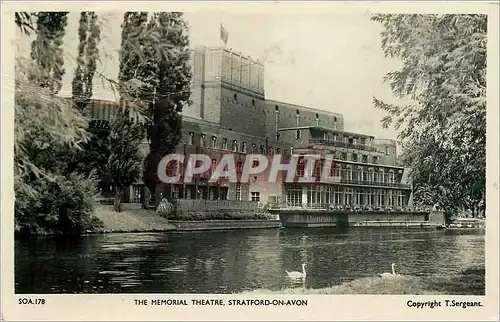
(237, 260)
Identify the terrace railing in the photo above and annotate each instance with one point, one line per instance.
(341, 144)
(376, 183)
(351, 208)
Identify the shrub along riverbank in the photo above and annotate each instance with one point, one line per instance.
(469, 282)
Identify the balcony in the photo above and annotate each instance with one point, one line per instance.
(342, 144)
(375, 183)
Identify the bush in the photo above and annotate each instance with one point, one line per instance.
(217, 215)
(62, 205)
(165, 208)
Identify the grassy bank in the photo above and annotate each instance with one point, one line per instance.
(469, 282)
(141, 220)
(130, 220)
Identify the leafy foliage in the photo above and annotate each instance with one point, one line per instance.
(163, 75)
(64, 205)
(43, 123)
(443, 128)
(24, 22)
(51, 195)
(47, 50)
(165, 208)
(125, 160)
(89, 35)
(93, 157)
(173, 92)
(57, 156)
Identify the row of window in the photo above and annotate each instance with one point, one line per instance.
(354, 157)
(345, 196)
(235, 145)
(244, 148)
(368, 175)
(254, 195)
(358, 158)
(346, 139)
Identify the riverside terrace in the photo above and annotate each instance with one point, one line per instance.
(365, 168)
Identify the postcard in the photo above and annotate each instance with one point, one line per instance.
(250, 160)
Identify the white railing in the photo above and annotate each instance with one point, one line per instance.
(353, 208)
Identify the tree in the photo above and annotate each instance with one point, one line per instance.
(89, 35)
(47, 50)
(50, 195)
(173, 92)
(125, 160)
(164, 76)
(44, 123)
(54, 191)
(443, 128)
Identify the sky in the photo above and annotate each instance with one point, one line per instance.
(328, 61)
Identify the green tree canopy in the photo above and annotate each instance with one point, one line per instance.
(163, 73)
(443, 128)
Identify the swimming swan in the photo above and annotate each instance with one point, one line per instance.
(298, 274)
(390, 274)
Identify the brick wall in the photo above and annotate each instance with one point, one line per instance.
(387, 150)
(242, 111)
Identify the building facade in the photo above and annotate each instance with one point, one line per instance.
(230, 114)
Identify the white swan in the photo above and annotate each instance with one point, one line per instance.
(390, 274)
(298, 274)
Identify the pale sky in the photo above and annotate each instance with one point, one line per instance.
(328, 61)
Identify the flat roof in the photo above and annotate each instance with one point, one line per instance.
(324, 129)
(304, 107)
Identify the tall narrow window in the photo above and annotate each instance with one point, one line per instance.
(224, 144)
(254, 148)
(238, 191)
(191, 138)
(244, 147)
(235, 146)
(214, 142)
(202, 140)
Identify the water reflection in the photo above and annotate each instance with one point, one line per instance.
(233, 261)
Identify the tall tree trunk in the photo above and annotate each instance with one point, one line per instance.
(118, 199)
(147, 198)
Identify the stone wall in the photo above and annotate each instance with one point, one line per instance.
(437, 217)
(224, 224)
(388, 217)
